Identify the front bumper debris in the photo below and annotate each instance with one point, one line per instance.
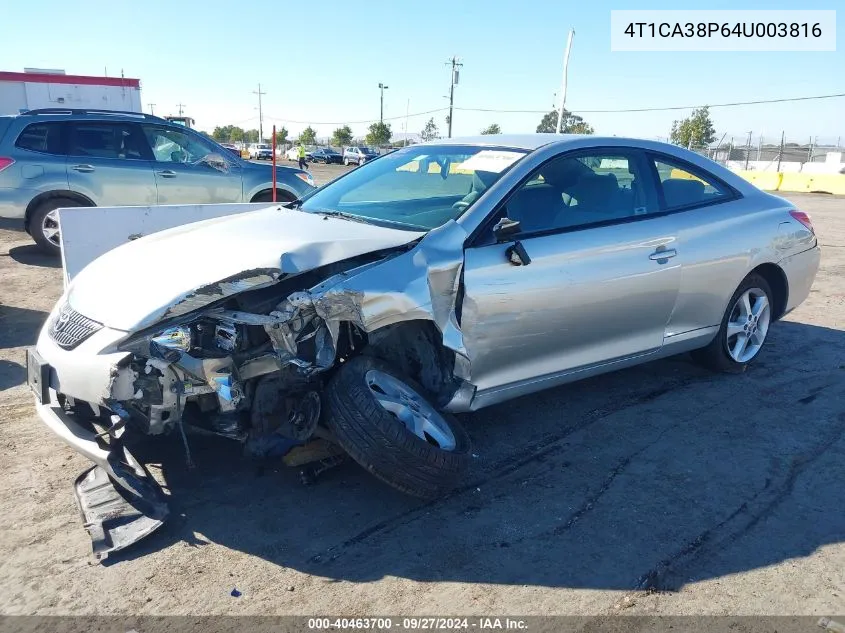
(119, 501)
(114, 518)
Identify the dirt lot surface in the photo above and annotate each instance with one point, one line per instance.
(662, 489)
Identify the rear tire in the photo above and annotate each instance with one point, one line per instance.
(43, 224)
(382, 442)
(748, 317)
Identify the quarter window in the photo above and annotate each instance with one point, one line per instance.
(583, 189)
(684, 186)
(106, 140)
(42, 137)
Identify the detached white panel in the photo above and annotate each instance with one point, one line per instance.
(88, 232)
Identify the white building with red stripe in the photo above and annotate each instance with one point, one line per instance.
(34, 89)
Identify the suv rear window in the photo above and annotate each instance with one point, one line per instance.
(41, 137)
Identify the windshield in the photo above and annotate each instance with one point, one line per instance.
(418, 188)
(262, 146)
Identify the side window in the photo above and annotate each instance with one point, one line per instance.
(685, 186)
(105, 140)
(581, 189)
(42, 137)
(176, 146)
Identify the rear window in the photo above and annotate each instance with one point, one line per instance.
(41, 137)
(106, 140)
(685, 186)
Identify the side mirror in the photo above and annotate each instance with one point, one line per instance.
(505, 228)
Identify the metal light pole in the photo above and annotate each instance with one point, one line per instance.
(260, 114)
(152, 105)
(563, 81)
(382, 87)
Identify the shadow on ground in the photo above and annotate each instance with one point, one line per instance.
(12, 374)
(31, 255)
(645, 478)
(19, 326)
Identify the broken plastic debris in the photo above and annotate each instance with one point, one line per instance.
(235, 593)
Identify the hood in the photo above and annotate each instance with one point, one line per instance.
(176, 271)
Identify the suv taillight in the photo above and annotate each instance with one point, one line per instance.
(804, 219)
(5, 162)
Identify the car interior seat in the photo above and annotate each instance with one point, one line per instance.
(681, 191)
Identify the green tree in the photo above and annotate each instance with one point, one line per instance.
(572, 123)
(695, 131)
(308, 136)
(227, 134)
(430, 131)
(251, 136)
(379, 134)
(281, 136)
(342, 136)
(493, 128)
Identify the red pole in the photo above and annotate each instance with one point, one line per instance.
(274, 163)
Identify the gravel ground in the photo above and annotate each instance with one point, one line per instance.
(662, 489)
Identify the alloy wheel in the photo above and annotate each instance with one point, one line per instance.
(748, 325)
(411, 409)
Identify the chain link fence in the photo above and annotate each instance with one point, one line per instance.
(748, 152)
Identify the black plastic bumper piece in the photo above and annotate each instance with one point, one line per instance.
(114, 517)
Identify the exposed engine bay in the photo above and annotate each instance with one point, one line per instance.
(251, 367)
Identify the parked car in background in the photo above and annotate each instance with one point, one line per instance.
(234, 150)
(326, 155)
(57, 158)
(358, 155)
(260, 151)
(293, 153)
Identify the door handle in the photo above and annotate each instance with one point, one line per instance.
(662, 256)
(83, 168)
(167, 173)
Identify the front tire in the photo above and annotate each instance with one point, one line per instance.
(744, 328)
(44, 224)
(383, 419)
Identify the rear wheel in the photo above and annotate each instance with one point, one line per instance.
(744, 328)
(346, 162)
(44, 224)
(383, 419)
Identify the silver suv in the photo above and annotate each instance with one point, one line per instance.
(358, 155)
(55, 158)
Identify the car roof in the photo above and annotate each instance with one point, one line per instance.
(518, 141)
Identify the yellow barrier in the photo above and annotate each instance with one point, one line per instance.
(814, 183)
(765, 180)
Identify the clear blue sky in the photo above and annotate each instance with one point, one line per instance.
(322, 62)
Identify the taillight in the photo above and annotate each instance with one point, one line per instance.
(804, 219)
(5, 162)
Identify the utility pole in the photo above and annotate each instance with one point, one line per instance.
(260, 114)
(382, 87)
(407, 109)
(747, 150)
(152, 105)
(759, 146)
(563, 81)
(180, 106)
(456, 64)
(780, 151)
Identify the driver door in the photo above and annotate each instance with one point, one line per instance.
(596, 281)
(189, 170)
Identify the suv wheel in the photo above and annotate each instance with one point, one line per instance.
(346, 162)
(44, 224)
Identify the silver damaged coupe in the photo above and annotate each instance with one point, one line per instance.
(437, 279)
